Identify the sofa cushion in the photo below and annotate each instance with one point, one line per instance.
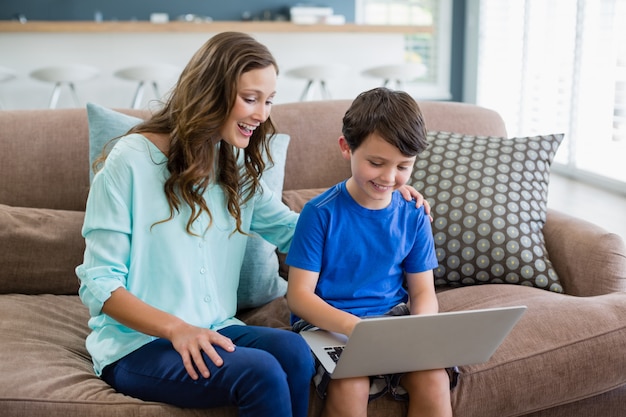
(489, 199)
(49, 371)
(39, 249)
(579, 250)
(562, 350)
(260, 281)
(295, 200)
(105, 125)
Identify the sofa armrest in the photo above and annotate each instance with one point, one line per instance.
(589, 260)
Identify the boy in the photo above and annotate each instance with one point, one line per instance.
(361, 250)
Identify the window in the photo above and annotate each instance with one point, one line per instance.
(431, 46)
(556, 66)
(619, 107)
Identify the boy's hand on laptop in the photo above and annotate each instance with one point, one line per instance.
(351, 325)
(409, 193)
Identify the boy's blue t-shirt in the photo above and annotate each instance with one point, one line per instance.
(361, 254)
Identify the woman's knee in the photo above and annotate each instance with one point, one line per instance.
(253, 364)
(300, 353)
(259, 383)
(293, 353)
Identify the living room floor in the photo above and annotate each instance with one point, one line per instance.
(604, 208)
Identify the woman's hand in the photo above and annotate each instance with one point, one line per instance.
(409, 193)
(190, 341)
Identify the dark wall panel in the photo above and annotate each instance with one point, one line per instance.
(140, 10)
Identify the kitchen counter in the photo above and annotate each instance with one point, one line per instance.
(216, 26)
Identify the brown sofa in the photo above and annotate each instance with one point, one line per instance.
(565, 358)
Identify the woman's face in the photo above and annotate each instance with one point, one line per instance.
(255, 93)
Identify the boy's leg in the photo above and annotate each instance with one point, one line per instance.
(291, 352)
(347, 397)
(250, 379)
(429, 393)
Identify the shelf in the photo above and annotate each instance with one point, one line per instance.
(188, 27)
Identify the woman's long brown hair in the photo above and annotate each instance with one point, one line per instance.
(193, 115)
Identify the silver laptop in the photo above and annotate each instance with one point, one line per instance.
(395, 344)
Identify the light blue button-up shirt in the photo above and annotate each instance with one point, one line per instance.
(193, 277)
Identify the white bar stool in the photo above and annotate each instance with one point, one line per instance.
(397, 74)
(316, 75)
(152, 74)
(6, 74)
(65, 75)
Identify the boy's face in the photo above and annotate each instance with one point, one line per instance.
(378, 168)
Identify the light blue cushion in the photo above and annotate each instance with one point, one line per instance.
(104, 125)
(259, 282)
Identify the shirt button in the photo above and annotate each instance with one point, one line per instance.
(202, 270)
(207, 299)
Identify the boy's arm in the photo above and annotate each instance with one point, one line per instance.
(307, 305)
(422, 295)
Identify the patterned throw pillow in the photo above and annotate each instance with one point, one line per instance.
(489, 199)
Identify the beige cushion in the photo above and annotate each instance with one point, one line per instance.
(39, 249)
(579, 249)
(295, 200)
(562, 350)
(53, 370)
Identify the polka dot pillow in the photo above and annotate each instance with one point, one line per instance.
(489, 200)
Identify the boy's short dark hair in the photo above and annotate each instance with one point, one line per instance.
(394, 115)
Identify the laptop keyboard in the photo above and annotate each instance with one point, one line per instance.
(334, 352)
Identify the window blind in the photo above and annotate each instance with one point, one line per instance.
(558, 66)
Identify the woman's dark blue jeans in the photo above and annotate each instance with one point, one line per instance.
(268, 374)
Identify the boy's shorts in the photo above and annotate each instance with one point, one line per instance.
(379, 384)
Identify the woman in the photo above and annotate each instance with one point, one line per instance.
(165, 230)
